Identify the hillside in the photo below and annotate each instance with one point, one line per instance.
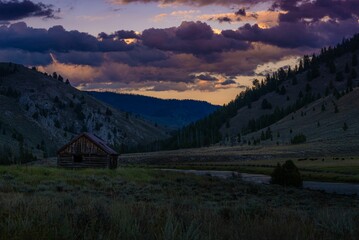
(328, 120)
(306, 101)
(171, 113)
(318, 79)
(40, 113)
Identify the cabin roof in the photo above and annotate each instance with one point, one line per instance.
(93, 138)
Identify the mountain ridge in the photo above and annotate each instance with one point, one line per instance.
(334, 72)
(42, 112)
(172, 113)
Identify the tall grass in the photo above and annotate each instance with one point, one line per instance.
(148, 204)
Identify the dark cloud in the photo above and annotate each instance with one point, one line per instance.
(205, 77)
(305, 23)
(189, 56)
(235, 17)
(122, 34)
(20, 36)
(228, 82)
(190, 37)
(297, 34)
(314, 11)
(224, 19)
(15, 10)
(194, 2)
(194, 31)
(241, 12)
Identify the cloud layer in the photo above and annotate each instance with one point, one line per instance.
(15, 10)
(20, 36)
(190, 37)
(190, 56)
(192, 2)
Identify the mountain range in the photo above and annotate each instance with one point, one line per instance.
(171, 113)
(317, 100)
(40, 113)
(313, 102)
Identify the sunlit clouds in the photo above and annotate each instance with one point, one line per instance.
(200, 49)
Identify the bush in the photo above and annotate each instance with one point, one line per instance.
(298, 139)
(287, 175)
(266, 104)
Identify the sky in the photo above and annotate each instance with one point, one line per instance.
(207, 50)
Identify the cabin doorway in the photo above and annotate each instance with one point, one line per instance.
(78, 158)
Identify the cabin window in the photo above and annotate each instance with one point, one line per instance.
(77, 158)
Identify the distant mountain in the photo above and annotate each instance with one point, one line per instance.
(40, 113)
(318, 99)
(171, 113)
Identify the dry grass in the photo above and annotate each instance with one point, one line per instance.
(133, 203)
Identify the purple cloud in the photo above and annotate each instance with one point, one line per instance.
(20, 36)
(297, 34)
(206, 77)
(190, 37)
(15, 10)
(228, 82)
(194, 2)
(314, 11)
(122, 34)
(241, 12)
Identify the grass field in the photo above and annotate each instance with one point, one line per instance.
(335, 169)
(137, 203)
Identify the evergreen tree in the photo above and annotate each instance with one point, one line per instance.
(353, 74)
(294, 81)
(354, 60)
(332, 67)
(347, 69)
(60, 78)
(282, 91)
(266, 104)
(331, 85)
(54, 75)
(308, 88)
(339, 77)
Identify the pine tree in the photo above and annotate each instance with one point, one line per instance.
(354, 60)
(294, 81)
(353, 74)
(308, 88)
(54, 75)
(347, 70)
(339, 77)
(332, 67)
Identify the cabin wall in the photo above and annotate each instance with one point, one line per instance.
(86, 162)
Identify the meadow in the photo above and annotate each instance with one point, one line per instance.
(326, 169)
(138, 203)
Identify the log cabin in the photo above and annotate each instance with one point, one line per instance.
(87, 151)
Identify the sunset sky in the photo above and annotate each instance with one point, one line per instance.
(187, 49)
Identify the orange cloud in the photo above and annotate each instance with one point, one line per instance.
(264, 19)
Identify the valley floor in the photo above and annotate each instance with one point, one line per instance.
(137, 203)
(316, 161)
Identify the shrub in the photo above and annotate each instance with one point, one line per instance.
(298, 139)
(287, 175)
(266, 104)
